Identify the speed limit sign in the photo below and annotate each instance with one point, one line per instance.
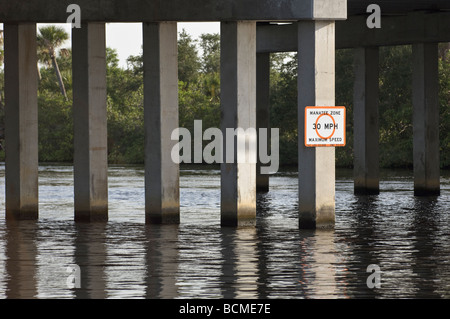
(324, 126)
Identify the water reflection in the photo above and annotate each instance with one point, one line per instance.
(21, 259)
(424, 230)
(324, 257)
(161, 260)
(240, 272)
(124, 258)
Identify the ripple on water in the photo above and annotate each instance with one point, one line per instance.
(124, 258)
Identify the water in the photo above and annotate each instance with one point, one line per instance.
(407, 237)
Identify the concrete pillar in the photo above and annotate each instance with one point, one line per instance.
(262, 112)
(90, 122)
(316, 84)
(238, 110)
(21, 121)
(366, 127)
(162, 195)
(426, 119)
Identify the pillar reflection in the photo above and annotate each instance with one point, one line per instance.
(324, 256)
(21, 259)
(247, 274)
(90, 256)
(161, 261)
(240, 270)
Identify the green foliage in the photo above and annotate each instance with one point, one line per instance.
(49, 39)
(396, 145)
(199, 93)
(444, 102)
(125, 110)
(344, 97)
(283, 101)
(188, 59)
(55, 127)
(396, 107)
(210, 45)
(199, 98)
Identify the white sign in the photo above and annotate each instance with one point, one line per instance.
(324, 126)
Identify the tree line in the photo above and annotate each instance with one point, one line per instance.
(199, 98)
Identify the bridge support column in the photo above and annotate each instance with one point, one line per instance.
(426, 119)
(21, 125)
(366, 128)
(238, 109)
(90, 122)
(316, 82)
(162, 203)
(262, 112)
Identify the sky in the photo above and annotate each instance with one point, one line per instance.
(126, 38)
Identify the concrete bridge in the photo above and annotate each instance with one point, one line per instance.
(248, 35)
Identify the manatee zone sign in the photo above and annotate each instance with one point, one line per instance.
(324, 126)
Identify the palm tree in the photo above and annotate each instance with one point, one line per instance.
(49, 40)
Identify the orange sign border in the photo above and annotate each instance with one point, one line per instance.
(332, 108)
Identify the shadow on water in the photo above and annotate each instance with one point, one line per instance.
(428, 237)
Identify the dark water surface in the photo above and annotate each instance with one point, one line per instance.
(407, 237)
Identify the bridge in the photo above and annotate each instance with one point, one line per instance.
(250, 31)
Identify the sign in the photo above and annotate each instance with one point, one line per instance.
(324, 126)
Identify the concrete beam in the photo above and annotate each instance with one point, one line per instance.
(90, 122)
(353, 33)
(356, 7)
(172, 10)
(238, 109)
(21, 122)
(276, 37)
(425, 88)
(162, 198)
(262, 112)
(418, 27)
(316, 86)
(366, 127)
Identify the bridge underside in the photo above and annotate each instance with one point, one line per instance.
(246, 42)
(54, 11)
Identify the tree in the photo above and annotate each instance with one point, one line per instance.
(49, 40)
(210, 66)
(188, 60)
(283, 104)
(210, 45)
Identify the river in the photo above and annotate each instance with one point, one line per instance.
(408, 238)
